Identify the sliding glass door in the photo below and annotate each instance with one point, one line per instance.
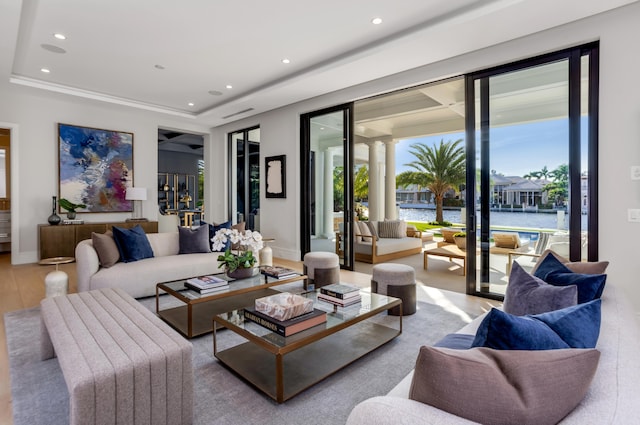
(327, 182)
(244, 177)
(532, 164)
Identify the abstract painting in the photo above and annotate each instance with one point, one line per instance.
(276, 177)
(96, 167)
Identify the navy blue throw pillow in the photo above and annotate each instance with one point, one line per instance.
(552, 271)
(572, 327)
(456, 341)
(550, 264)
(590, 286)
(213, 228)
(132, 244)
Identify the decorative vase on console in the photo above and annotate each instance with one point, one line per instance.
(54, 219)
(238, 263)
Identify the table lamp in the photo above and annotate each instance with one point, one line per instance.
(136, 194)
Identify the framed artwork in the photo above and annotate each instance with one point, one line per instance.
(96, 167)
(275, 167)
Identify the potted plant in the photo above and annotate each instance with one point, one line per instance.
(461, 240)
(238, 259)
(70, 207)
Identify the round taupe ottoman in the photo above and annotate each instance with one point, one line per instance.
(396, 280)
(322, 268)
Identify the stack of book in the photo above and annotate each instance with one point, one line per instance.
(278, 272)
(340, 294)
(286, 327)
(207, 284)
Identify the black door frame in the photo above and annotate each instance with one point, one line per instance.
(306, 180)
(247, 174)
(573, 55)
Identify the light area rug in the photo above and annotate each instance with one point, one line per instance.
(39, 393)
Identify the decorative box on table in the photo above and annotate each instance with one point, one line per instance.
(284, 306)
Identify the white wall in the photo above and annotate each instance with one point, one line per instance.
(619, 132)
(33, 116)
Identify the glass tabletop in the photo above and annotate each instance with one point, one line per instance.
(337, 318)
(179, 286)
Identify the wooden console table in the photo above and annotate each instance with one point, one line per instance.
(61, 240)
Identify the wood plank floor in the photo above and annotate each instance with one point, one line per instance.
(22, 287)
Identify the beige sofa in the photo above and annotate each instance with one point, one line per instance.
(139, 278)
(612, 397)
(369, 249)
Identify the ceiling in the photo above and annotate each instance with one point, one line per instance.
(161, 55)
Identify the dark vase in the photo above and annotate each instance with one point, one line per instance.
(54, 218)
(242, 273)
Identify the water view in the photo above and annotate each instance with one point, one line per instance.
(511, 219)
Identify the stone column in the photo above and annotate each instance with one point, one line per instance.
(374, 176)
(390, 211)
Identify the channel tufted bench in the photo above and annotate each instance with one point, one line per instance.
(121, 363)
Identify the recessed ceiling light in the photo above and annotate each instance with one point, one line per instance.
(376, 21)
(215, 93)
(285, 60)
(158, 66)
(229, 86)
(60, 36)
(45, 70)
(190, 103)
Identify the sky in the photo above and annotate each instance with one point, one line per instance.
(515, 150)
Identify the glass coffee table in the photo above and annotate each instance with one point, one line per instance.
(282, 367)
(190, 312)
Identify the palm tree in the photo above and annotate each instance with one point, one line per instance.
(559, 188)
(439, 168)
(361, 184)
(544, 172)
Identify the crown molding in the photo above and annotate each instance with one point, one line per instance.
(88, 94)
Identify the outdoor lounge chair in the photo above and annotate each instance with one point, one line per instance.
(506, 242)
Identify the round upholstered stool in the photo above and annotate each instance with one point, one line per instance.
(396, 280)
(322, 268)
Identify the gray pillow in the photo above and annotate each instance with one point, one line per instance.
(106, 248)
(527, 294)
(392, 229)
(504, 387)
(194, 241)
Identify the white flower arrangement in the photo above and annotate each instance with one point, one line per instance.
(247, 240)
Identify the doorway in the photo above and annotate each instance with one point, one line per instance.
(244, 177)
(327, 182)
(531, 157)
(5, 190)
(181, 176)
